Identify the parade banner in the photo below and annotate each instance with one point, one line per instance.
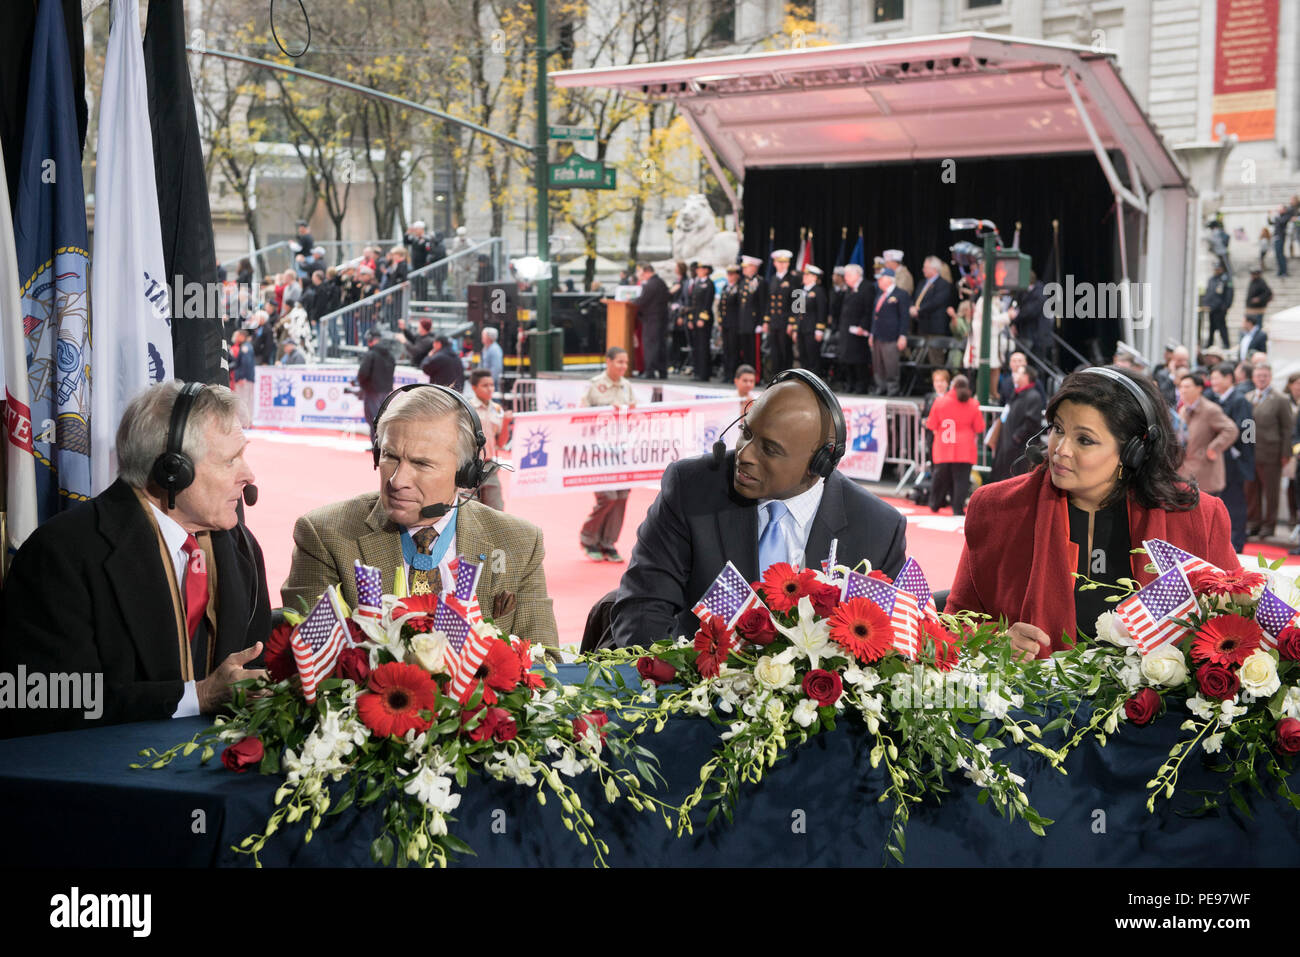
(867, 440)
(1245, 70)
(314, 397)
(689, 393)
(605, 448)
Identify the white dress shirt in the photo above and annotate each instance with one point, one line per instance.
(795, 527)
(448, 555)
(174, 537)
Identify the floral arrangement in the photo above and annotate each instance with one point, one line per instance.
(402, 700)
(775, 663)
(1220, 647)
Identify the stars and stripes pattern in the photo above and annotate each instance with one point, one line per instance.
(465, 575)
(370, 590)
(318, 640)
(912, 580)
(1168, 557)
(1149, 615)
(902, 608)
(1273, 615)
(476, 645)
(729, 597)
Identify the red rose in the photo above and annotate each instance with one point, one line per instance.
(242, 755)
(278, 655)
(1217, 681)
(1288, 644)
(756, 626)
(824, 598)
(354, 663)
(498, 725)
(592, 719)
(1142, 707)
(355, 633)
(1288, 736)
(824, 687)
(655, 669)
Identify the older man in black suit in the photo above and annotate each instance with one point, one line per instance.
(652, 313)
(158, 602)
(855, 330)
(763, 499)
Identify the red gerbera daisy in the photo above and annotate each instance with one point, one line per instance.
(398, 693)
(523, 649)
(862, 629)
(713, 641)
(877, 573)
(944, 644)
(783, 585)
(1235, 583)
(500, 671)
(1226, 640)
(422, 607)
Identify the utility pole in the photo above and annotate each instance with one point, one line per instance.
(542, 174)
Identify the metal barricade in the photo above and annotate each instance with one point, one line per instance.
(906, 438)
(991, 413)
(523, 396)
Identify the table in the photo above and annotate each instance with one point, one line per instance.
(70, 800)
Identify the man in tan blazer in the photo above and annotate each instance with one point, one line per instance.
(425, 439)
(1210, 433)
(1273, 422)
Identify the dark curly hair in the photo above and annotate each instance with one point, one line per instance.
(1157, 483)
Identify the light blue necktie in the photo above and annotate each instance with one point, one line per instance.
(771, 544)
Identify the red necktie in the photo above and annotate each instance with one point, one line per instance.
(196, 585)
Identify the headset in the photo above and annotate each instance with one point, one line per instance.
(469, 475)
(827, 456)
(173, 471)
(1136, 449)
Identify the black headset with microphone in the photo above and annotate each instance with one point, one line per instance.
(469, 475)
(1137, 448)
(828, 455)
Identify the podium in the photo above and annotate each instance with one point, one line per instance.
(621, 330)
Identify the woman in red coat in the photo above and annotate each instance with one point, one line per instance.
(956, 421)
(1110, 482)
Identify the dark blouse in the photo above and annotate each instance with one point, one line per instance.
(1108, 563)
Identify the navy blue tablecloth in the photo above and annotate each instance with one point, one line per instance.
(71, 800)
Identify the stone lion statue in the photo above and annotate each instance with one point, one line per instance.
(696, 238)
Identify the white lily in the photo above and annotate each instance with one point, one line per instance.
(811, 638)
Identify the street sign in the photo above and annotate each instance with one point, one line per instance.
(577, 172)
(572, 132)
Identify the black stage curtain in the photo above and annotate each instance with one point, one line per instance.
(907, 206)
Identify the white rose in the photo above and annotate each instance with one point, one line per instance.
(805, 712)
(1111, 630)
(1259, 674)
(430, 651)
(1166, 666)
(772, 673)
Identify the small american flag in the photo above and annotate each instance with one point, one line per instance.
(462, 597)
(729, 597)
(1168, 557)
(1149, 615)
(901, 607)
(370, 590)
(318, 640)
(476, 646)
(1273, 615)
(912, 580)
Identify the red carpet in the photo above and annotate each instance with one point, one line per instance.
(297, 472)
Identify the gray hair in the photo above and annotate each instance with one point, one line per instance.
(490, 333)
(142, 433)
(424, 404)
(853, 267)
(933, 261)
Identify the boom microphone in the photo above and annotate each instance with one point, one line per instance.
(250, 494)
(720, 447)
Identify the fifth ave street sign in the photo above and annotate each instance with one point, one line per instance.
(576, 172)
